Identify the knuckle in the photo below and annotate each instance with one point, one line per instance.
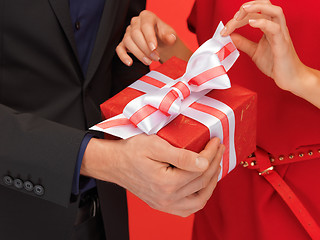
(278, 28)
(145, 25)
(264, 21)
(126, 40)
(153, 138)
(145, 13)
(164, 203)
(150, 140)
(120, 47)
(135, 31)
(153, 205)
(202, 203)
(134, 20)
(182, 158)
(167, 189)
(185, 214)
(128, 29)
(279, 11)
(204, 182)
(202, 200)
(156, 204)
(170, 189)
(150, 143)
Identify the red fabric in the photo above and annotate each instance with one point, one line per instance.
(244, 205)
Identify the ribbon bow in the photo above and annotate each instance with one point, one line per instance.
(203, 71)
(206, 70)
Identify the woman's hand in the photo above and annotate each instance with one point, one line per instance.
(274, 54)
(150, 39)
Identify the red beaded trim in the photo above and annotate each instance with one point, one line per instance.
(311, 153)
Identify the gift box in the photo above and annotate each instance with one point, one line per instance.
(188, 133)
(189, 103)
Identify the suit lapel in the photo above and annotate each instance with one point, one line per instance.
(103, 36)
(62, 12)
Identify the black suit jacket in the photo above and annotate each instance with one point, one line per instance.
(46, 106)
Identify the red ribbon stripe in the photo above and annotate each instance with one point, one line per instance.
(225, 126)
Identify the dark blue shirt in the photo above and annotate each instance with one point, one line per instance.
(85, 17)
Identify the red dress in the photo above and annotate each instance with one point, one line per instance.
(244, 205)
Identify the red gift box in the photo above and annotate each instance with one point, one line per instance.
(185, 132)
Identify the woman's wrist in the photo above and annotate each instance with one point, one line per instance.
(307, 85)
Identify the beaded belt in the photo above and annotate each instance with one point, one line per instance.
(303, 154)
(264, 163)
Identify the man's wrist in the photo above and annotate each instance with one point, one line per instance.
(97, 160)
(76, 189)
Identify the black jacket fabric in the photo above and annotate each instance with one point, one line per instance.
(46, 106)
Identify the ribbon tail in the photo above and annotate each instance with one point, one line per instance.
(229, 53)
(118, 126)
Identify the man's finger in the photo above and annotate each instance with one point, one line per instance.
(202, 181)
(193, 203)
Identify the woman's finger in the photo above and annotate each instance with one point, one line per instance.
(135, 50)
(141, 42)
(244, 44)
(148, 22)
(273, 33)
(123, 55)
(234, 24)
(273, 12)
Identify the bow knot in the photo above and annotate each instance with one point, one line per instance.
(168, 99)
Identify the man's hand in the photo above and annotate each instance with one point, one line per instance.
(169, 179)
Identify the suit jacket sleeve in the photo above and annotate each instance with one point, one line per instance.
(43, 111)
(40, 151)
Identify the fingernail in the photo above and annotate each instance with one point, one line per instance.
(147, 61)
(246, 5)
(217, 139)
(202, 163)
(223, 149)
(173, 36)
(252, 21)
(223, 31)
(152, 46)
(236, 15)
(154, 56)
(128, 62)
